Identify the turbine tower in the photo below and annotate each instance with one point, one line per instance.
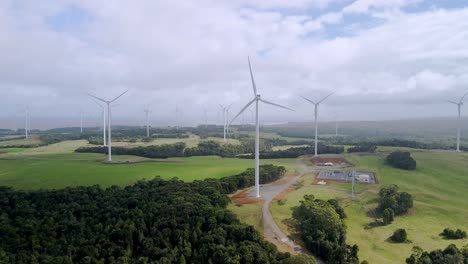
(81, 121)
(109, 120)
(147, 112)
(27, 122)
(103, 113)
(225, 111)
(257, 98)
(459, 104)
(315, 114)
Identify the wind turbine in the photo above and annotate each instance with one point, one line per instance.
(459, 104)
(316, 113)
(103, 113)
(147, 112)
(257, 98)
(336, 125)
(109, 120)
(27, 122)
(225, 111)
(81, 121)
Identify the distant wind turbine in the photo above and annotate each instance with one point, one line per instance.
(315, 114)
(336, 125)
(147, 112)
(459, 104)
(109, 120)
(257, 98)
(225, 111)
(103, 113)
(27, 122)
(81, 121)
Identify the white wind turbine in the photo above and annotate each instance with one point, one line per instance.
(316, 113)
(459, 104)
(225, 111)
(27, 122)
(147, 112)
(103, 113)
(257, 98)
(81, 121)
(109, 120)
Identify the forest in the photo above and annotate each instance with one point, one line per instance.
(156, 221)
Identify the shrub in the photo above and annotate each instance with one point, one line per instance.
(453, 234)
(399, 236)
(401, 160)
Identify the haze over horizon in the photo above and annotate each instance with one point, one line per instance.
(386, 60)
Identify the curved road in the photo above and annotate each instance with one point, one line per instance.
(268, 192)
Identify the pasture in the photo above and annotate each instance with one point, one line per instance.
(439, 186)
(56, 166)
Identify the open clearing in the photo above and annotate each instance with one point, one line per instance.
(439, 186)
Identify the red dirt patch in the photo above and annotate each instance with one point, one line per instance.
(282, 194)
(243, 198)
(317, 160)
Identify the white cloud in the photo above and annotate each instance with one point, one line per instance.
(194, 54)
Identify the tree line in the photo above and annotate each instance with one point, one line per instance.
(206, 148)
(156, 221)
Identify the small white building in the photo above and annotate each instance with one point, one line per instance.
(363, 178)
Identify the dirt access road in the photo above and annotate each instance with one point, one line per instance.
(268, 192)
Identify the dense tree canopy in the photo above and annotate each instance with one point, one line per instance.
(401, 160)
(450, 255)
(391, 198)
(323, 231)
(155, 221)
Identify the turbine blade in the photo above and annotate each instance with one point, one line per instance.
(252, 78)
(452, 102)
(461, 100)
(100, 99)
(310, 101)
(100, 105)
(267, 102)
(242, 110)
(119, 96)
(325, 98)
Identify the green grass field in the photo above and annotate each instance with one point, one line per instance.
(439, 186)
(33, 170)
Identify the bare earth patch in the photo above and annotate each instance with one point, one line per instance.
(243, 198)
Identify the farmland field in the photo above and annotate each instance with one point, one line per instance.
(439, 186)
(55, 166)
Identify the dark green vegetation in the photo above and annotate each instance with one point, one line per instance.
(323, 231)
(157, 221)
(399, 236)
(450, 255)
(453, 234)
(390, 198)
(388, 216)
(161, 151)
(366, 147)
(206, 148)
(401, 160)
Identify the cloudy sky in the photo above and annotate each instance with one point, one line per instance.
(385, 59)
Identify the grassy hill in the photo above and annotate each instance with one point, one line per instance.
(439, 186)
